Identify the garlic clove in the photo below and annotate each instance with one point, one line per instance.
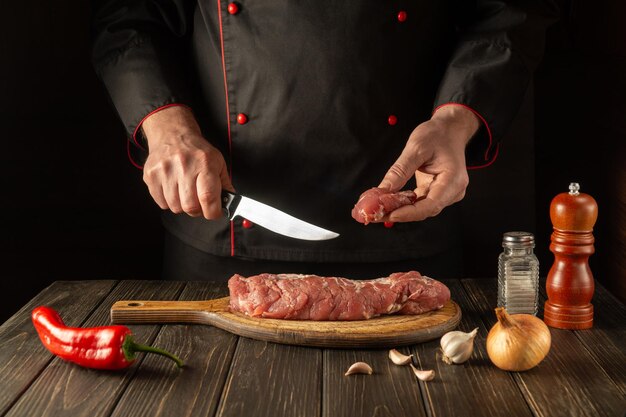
(457, 346)
(359, 368)
(428, 375)
(398, 358)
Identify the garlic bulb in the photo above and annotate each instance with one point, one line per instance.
(517, 342)
(457, 346)
(423, 375)
(359, 368)
(398, 358)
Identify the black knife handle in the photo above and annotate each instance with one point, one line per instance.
(230, 202)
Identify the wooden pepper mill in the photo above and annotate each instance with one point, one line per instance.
(570, 281)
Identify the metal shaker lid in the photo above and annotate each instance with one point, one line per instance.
(518, 239)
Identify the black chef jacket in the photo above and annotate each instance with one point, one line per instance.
(311, 101)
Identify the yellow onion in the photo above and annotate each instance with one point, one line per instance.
(517, 342)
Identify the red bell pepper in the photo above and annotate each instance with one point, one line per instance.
(105, 347)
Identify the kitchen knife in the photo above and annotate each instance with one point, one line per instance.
(272, 219)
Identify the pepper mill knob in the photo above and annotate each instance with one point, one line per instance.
(570, 284)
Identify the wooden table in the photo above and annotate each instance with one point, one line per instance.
(225, 375)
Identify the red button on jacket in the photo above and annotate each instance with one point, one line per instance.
(242, 119)
(233, 8)
(392, 120)
(247, 223)
(402, 16)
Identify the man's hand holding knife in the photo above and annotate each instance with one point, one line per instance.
(184, 172)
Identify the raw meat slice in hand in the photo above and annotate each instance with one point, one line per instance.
(376, 203)
(310, 297)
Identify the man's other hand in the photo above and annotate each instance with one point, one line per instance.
(435, 154)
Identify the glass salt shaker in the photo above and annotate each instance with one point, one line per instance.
(518, 274)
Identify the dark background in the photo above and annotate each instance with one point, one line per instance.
(73, 207)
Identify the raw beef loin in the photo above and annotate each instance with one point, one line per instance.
(375, 203)
(310, 297)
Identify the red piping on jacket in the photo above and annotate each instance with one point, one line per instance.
(482, 119)
(230, 146)
(493, 159)
(130, 158)
(158, 109)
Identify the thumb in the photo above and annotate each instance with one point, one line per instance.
(400, 172)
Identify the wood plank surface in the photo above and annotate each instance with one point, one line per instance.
(583, 375)
(197, 389)
(270, 380)
(606, 340)
(66, 389)
(391, 391)
(569, 382)
(475, 385)
(22, 355)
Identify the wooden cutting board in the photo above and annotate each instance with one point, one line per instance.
(385, 331)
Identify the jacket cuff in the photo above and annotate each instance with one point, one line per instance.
(481, 151)
(138, 137)
(138, 153)
(135, 155)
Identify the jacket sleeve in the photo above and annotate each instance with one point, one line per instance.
(499, 44)
(136, 51)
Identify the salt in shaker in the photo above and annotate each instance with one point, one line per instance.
(518, 274)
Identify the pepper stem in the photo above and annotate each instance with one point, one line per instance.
(130, 348)
(504, 318)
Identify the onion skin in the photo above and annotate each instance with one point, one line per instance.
(517, 342)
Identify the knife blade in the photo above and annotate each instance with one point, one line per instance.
(272, 219)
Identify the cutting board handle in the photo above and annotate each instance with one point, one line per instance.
(139, 311)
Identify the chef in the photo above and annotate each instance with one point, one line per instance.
(305, 104)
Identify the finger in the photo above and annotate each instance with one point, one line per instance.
(156, 191)
(170, 191)
(209, 191)
(421, 210)
(442, 193)
(402, 170)
(423, 182)
(150, 178)
(189, 197)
